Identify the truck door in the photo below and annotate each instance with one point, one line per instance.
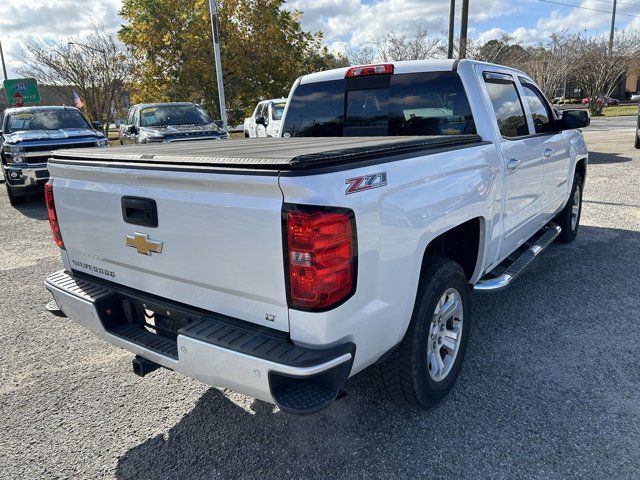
(522, 161)
(263, 111)
(554, 146)
(125, 133)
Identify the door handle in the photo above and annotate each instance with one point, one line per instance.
(547, 153)
(513, 164)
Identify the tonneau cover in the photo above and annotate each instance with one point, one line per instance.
(266, 153)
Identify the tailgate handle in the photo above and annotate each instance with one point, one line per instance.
(140, 211)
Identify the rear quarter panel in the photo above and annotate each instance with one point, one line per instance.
(424, 197)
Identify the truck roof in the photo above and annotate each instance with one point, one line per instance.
(411, 66)
(265, 153)
(163, 104)
(39, 108)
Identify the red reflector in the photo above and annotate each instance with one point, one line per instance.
(53, 218)
(368, 70)
(321, 258)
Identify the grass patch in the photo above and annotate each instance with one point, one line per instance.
(620, 110)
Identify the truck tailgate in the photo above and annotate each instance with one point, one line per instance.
(220, 236)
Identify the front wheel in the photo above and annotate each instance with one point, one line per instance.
(13, 198)
(425, 366)
(569, 218)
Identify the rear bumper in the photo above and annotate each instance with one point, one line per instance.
(213, 349)
(26, 178)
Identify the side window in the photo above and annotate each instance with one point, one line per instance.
(507, 106)
(540, 112)
(130, 117)
(136, 115)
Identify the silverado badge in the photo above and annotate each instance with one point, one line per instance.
(142, 243)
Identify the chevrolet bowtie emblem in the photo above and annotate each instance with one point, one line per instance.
(141, 242)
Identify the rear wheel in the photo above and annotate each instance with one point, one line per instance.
(424, 368)
(569, 217)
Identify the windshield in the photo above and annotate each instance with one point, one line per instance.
(277, 109)
(432, 103)
(166, 115)
(46, 120)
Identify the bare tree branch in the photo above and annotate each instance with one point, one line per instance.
(96, 66)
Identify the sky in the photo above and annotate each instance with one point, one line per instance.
(345, 23)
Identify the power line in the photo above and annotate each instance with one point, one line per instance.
(619, 3)
(587, 8)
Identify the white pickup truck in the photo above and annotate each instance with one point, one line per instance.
(281, 267)
(266, 119)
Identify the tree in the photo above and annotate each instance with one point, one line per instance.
(263, 47)
(598, 69)
(95, 66)
(394, 47)
(504, 51)
(551, 63)
(362, 55)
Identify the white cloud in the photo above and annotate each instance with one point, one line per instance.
(354, 22)
(51, 20)
(344, 22)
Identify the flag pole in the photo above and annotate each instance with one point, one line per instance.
(216, 52)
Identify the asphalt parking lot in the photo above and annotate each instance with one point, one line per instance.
(550, 388)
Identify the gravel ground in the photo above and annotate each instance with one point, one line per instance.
(550, 388)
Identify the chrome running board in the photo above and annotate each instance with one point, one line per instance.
(520, 264)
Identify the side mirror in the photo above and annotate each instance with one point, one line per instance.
(132, 129)
(261, 120)
(96, 125)
(572, 119)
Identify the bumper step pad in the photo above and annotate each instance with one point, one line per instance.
(314, 389)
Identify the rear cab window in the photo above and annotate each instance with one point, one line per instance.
(428, 103)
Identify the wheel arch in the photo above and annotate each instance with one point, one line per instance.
(581, 168)
(461, 244)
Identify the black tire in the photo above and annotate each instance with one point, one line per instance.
(13, 198)
(565, 217)
(637, 145)
(405, 373)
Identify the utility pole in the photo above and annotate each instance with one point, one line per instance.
(452, 19)
(216, 53)
(613, 26)
(4, 67)
(463, 28)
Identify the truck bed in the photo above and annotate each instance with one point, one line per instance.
(266, 153)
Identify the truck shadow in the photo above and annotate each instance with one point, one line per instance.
(601, 158)
(34, 207)
(539, 382)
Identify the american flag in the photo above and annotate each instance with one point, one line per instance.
(77, 100)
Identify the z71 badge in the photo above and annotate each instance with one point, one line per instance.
(366, 182)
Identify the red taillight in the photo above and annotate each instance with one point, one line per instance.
(53, 218)
(321, 257)
(368, 70)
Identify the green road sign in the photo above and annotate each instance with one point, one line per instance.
(21, 91)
